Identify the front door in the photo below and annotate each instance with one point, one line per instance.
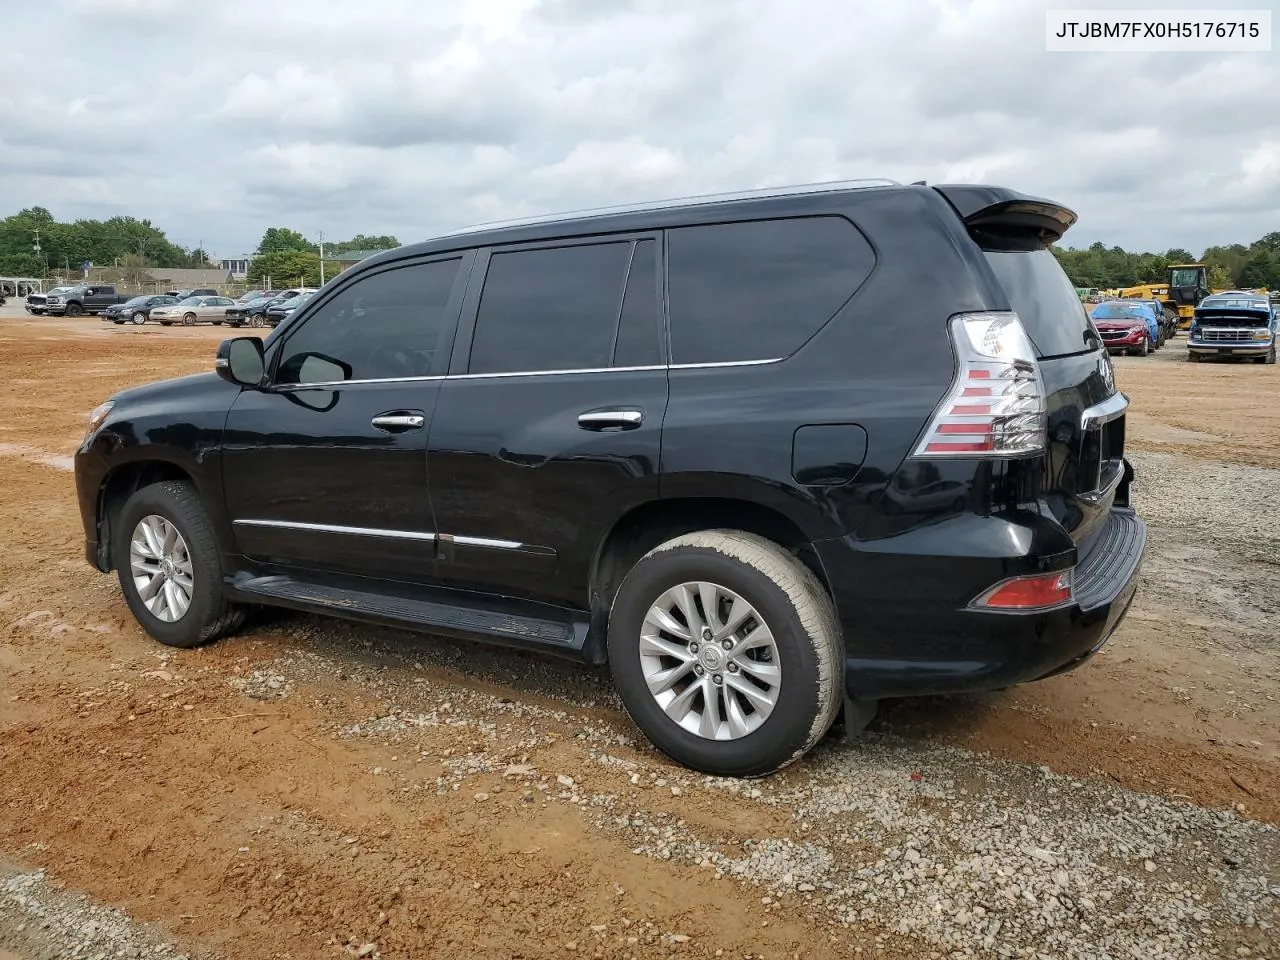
(549, 426)
(326, 468)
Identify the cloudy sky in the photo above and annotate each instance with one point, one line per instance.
(217, 119)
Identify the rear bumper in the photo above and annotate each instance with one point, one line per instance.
(924, 647)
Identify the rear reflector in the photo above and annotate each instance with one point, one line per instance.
(996, 405)
(1028, 593)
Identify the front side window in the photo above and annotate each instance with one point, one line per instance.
(550, 309)
(388, 325)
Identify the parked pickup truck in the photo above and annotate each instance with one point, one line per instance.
(34, 304)
(79, 300)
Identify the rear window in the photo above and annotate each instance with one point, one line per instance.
(1044, 298)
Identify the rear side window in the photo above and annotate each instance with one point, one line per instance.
(1043, 297)
(759, 290)
(554, 309)
(639, 334)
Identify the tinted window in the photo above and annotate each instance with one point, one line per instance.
(549, 309)
(385, 325)
(1045, 300)
(1119, 311)
(759, 290)
(639, 342)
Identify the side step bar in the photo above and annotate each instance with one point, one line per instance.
(426, 609)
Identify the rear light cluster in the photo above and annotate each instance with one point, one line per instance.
(996, 406)
(1023, 594)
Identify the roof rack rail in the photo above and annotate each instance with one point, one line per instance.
(829, 186)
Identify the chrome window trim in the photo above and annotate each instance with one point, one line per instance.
(335, 528)
(492, 542)
(532, 373)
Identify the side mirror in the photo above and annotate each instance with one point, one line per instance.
(240, 361)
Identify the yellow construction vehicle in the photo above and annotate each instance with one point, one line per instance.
(1188, 285)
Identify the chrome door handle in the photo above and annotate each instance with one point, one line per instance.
(604, 419)
(404, 420)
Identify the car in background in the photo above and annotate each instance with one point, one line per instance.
(1233, 325)
(137, 310)
(77, 300)
(280, 311)
(194, 310)
(184, 294)
(254, 312)
(1127, 326)
(250, 295)
(36, 303)
(1167, 320)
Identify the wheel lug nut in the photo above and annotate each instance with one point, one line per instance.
(727, 644)
(733, 668)
(699, 671)
(706, 633)
(693, 648)
(718, 679)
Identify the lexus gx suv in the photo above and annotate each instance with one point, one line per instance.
(771, 457)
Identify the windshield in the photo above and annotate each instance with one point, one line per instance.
(1120, 311)
(192, 300)
(60, 290)
(1235, 303)
(136, 300)
(1044, 299)
(1185, 278)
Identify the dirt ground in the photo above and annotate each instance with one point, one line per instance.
(309, 788)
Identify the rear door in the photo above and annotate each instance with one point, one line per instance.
(549, 425)
(1086, 415)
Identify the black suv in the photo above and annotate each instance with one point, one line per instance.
(767, 456)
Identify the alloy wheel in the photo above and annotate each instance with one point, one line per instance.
(160, 564)
(710, 661)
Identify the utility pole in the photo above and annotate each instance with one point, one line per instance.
(322, 258)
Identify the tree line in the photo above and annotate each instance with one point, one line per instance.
(34, 244)
(1236, 266)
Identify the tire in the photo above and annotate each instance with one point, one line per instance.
(1271, 355)
(256, 320)
(807, 649)
(235, 324)
(166, 323)
(216, 323)
(188, 319)
(209, 615)
(118, 323)
(75, 310)
(139, 318)
(1145, 348)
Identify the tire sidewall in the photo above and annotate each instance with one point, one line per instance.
(139, 318)
(206, 566)
(786, 733)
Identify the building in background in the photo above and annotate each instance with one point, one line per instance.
(237, 267)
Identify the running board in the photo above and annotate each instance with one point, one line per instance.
(459, 613)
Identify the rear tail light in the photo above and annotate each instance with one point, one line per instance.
(996, 406)
(1028, 593)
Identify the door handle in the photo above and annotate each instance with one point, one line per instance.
(399, 420)
(604, 419)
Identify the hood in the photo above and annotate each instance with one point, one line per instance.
(162, 390)
(1233, 317)
(1120, 324)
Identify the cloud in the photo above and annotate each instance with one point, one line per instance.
(390, 116)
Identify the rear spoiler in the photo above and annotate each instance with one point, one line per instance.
(1000, 210)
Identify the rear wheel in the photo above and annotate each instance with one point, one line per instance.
(726, 652)
(169, 567)
(139, 318)
(189, 319)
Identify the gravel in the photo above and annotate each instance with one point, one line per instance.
(937, 846)
(42, 922)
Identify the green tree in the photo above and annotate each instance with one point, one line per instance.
(362, 242)
(1261, 270)
(1220, 278)
(284, 240)
(1178, 255)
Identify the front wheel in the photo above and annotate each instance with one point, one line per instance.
(726, 652)
(189, 320)
(75, 310)
(1271, 355)
(256, 320)
(167, 560)
(166, 323)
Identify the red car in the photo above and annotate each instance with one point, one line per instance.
(1125, 327)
